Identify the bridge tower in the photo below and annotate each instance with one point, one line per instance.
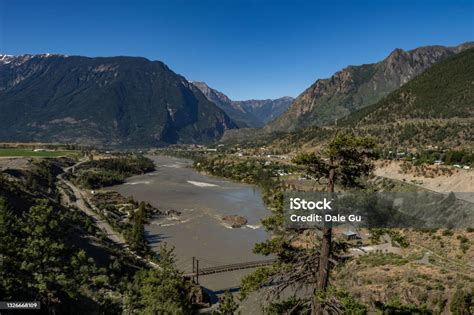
(195, 277)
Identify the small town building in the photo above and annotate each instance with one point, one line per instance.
(351, 235)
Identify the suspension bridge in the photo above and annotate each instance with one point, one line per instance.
(199, 272)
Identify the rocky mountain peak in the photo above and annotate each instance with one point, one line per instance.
(211, 94)
(355, 87)
(397, 55)
(463, 46)
(248, 113)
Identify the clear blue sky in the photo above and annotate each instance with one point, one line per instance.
(246, 49)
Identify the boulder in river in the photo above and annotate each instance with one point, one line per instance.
(173, 212)
(235, 221)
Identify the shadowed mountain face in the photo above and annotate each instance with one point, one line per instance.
(118, 101)
(250, 113)
(356, 87)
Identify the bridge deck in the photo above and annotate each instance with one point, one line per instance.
(231, 267)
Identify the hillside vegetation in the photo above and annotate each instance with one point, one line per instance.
(119, 101)
(108, 172)
(442, 92)
(54, 253)
(356, 87)
(435, 108)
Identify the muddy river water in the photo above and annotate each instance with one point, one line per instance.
(199, 231)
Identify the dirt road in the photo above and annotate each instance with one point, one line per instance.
(81, 203)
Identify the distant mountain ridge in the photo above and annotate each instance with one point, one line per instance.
(266, 110)
(355, 87)
(435, 108)
(444, 91)
(249, 113)
(117, 101)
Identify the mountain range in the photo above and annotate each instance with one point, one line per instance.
(116, 101)
(250, 113)
(435, 108)
(356, 87)
(134, 102)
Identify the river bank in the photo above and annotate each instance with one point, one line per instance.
(199, 230)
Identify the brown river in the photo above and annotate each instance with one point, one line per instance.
(199, 231)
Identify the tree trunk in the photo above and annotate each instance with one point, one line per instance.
(323, 269)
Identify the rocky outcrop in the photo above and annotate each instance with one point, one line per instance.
(235, 221)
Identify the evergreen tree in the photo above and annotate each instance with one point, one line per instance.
(10, 276)
(348, 159)
(166, 257)
(227, 304)
(159, 291)
(137, 239)
(43, 255)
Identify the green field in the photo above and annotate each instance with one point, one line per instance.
(13, 152)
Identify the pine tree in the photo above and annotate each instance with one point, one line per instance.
(138, 242)
(10, 276)
(227, 304)
(347, 160)
(159, 291)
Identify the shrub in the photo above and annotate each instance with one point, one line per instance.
(448, 232)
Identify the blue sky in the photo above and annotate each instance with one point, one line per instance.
(246, 49)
